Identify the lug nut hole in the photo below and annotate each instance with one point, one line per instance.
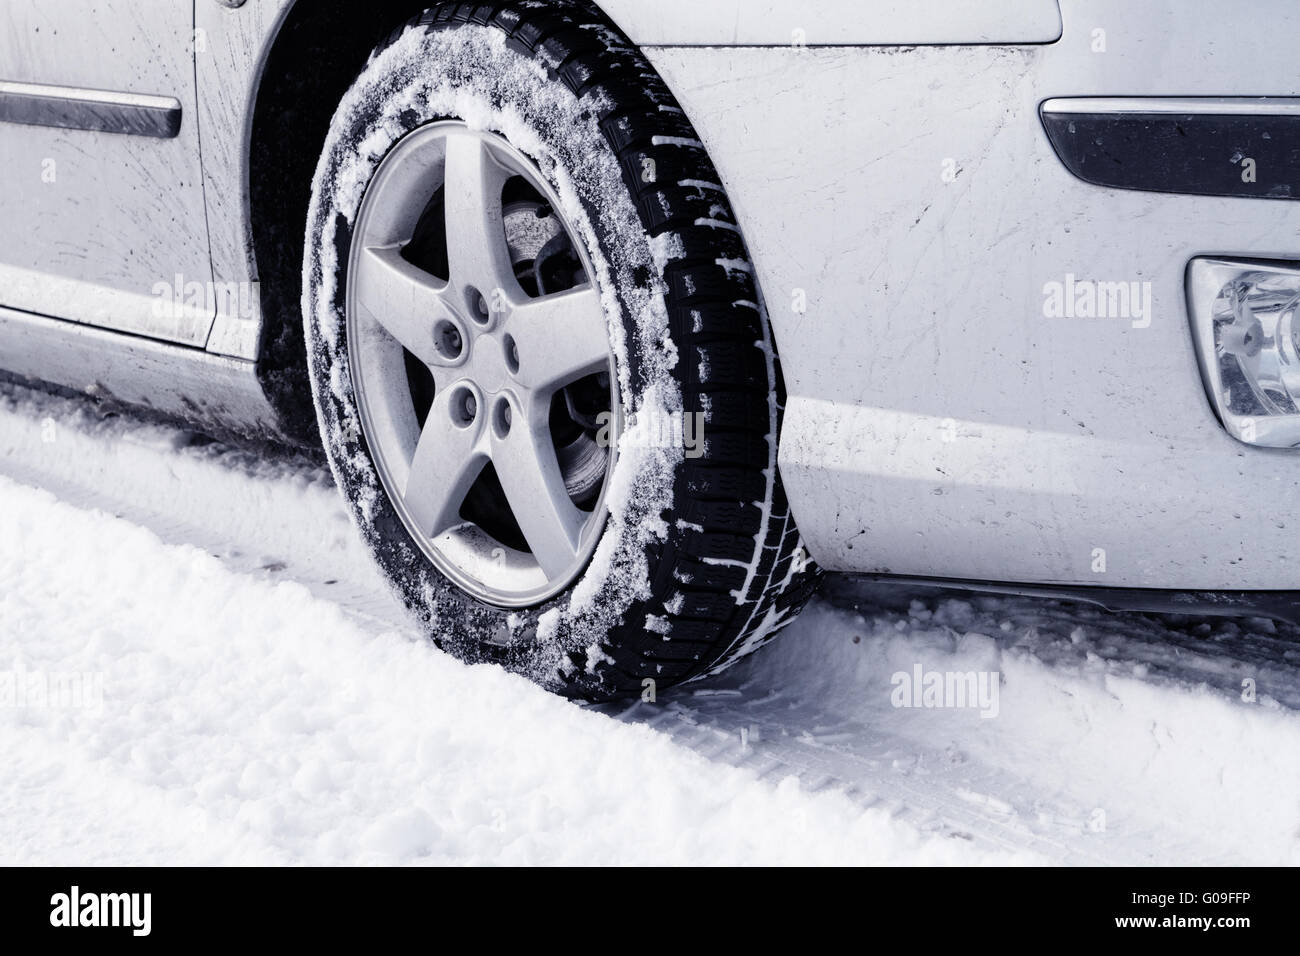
(464, 408)
(448, 341)
(480, 309)
(502, 417)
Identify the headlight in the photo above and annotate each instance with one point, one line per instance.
(1248, 339)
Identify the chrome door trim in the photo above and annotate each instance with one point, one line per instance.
(70, 107)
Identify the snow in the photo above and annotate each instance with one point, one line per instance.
(246, 721)
(262, 700)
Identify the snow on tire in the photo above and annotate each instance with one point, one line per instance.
(698, 561)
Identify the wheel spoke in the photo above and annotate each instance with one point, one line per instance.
(404, 299)
(530, 473)
(446, 463)
(559, 338)
(476, 242)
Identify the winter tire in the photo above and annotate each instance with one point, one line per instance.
(543, 374)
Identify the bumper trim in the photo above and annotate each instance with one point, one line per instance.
(1240, 147)
(1175, 105)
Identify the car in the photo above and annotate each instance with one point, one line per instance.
(619, 323)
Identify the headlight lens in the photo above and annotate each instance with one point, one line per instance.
(1248, 339)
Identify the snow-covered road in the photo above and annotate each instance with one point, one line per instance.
(226, 680)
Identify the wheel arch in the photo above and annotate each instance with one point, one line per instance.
(316, 52)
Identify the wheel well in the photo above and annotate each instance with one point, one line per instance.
(321, 47)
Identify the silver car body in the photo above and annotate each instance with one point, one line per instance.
(901, 201)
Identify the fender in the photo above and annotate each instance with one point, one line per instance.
(835, 22)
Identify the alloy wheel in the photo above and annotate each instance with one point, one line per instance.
(481, 361)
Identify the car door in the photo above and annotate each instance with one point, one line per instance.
(101, 189)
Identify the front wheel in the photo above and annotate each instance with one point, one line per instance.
(544, 378)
